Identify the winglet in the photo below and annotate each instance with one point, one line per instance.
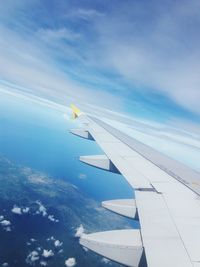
(76, 111)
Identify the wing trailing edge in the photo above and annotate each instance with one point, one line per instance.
(124, 207)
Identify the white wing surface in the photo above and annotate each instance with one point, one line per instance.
(166, 202)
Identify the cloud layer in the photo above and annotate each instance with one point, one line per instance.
(143, 53)
(156, 45)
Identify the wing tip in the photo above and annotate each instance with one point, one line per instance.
(75, 111)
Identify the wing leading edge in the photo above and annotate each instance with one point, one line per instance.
(166, 202)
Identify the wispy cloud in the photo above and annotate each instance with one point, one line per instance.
(32, 257)
(51, 35)
(52, 218)
(32, 64)
(41, 209)
(58, 243)
(156, 46)
(82, 176)
(181, 144)
(137, 52)
(87, 14)
(5, 264)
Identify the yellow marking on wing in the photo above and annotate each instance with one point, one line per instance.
(76, 111)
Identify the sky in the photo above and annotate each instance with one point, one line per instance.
(133, 57)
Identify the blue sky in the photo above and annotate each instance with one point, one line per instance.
(138, 57)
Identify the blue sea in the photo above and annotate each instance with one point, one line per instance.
(37, 136)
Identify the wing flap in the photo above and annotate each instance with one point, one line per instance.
(82, 133)
(99, 161)
(122, 246)
(125, 207)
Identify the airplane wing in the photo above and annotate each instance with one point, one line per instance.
(166, 201)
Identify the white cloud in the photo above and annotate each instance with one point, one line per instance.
(5, 223)
(105, 260)
(86, 249)
(43, 263)
(47, 253)
(66, 117)
(1, 217)
(25, 210)
(32, 257)
(51, 218)
(70, 262)
(82, 176)
(5, 264)
(79, 231)
(41, 209)
(51, 238)
(61, 251)
(17, 210)
(58, 243)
